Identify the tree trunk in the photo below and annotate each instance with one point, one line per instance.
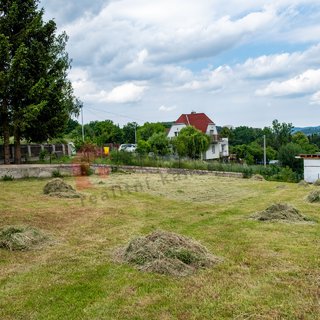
(6, 132)
(17, 146)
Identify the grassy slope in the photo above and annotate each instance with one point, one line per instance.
(270, 271)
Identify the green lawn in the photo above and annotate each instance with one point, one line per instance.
(270, 270)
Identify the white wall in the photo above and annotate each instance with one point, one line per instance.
(175, 129)
(311, 169)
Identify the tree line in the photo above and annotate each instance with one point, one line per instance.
(245, 143)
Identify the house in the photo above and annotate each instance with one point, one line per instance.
(219, 147)
(311, 165)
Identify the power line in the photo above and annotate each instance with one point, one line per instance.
(113, 113)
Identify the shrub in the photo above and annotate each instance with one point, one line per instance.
(7, 178)
(56, 174)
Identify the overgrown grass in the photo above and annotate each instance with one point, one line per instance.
(269, 270)
(270, 172)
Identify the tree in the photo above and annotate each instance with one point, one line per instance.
(129, 132)
(148, 129)
(281, 134)
(287, 156)
(37, 98)
(302, 140)
(159, 144)
(191, 142)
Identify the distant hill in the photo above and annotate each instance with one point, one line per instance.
(307, 130)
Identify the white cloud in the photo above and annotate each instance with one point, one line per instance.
(305, 83)
(212, 80)
(275, 65)
(315, 99)
(167, 109)
(128, 92)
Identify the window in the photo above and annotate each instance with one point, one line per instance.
(176, 133)
(213, 148)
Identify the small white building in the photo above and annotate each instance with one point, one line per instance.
(219, 147)
(311, 164)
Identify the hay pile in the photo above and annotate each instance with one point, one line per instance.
(314, 196)
(303, 183)
(317, 182)
(258, 177)
(280, 211)
(166, 253)
(21, 238)
(58, 188)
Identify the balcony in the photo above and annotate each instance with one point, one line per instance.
(215, 138)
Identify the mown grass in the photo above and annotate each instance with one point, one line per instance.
(270, 270)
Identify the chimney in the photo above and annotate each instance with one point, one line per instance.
(193, 112)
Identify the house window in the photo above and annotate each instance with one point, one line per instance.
(211, 132)
(213, 148)
(176, 133)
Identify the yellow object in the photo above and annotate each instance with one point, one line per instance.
(106, 150)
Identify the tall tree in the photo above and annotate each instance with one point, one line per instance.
(38, 98)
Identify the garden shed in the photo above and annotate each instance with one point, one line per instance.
(311, 164)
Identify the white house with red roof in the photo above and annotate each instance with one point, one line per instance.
(219, 147)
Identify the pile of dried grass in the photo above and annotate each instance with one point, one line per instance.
(317, 182)
(280, 211)
(166, 253)
(22, 238)
(314, 196)
(303, 183)
(58, 188)
(258, 177)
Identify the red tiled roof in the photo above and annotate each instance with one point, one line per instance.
(198, 120)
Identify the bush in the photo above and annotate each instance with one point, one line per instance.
(85, 169)
(56, 174)
(42, 155)
(7, 178)
(286, 175)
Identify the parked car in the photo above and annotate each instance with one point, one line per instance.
(128, 147)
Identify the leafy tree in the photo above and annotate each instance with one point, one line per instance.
(287, 154)
(245, 135)
(148, 129)
(129, 132)
(143, 147)
(159, 144)
(302, 140)
(226, 132)
(191, 142)
(102, 132)
(72, 125)
(37, 99)
(281, 133)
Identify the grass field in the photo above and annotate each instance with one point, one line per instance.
(269, 270)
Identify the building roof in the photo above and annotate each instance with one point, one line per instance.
(198, 120)
(309, 156)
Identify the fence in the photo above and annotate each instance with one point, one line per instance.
(32, 151)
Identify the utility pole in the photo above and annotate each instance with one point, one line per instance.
(82, 123)
(135, 133)
(264, 151)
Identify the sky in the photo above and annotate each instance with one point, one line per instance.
(241, 62)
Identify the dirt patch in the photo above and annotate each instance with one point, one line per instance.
(58, 188)
(21, 238)
(280, 211)
(314, 196)
(166, 253)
